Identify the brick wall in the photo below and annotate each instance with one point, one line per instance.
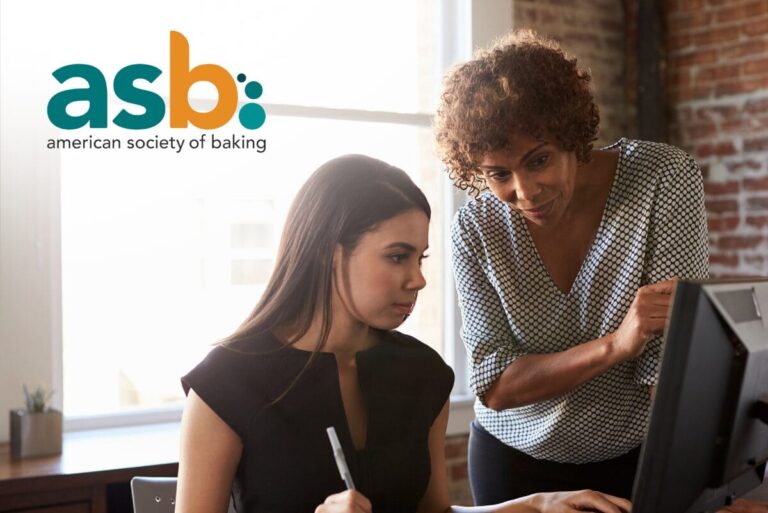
(717, 87)
(593, 31)
(456, 461)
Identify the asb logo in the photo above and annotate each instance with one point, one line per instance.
(251, 115)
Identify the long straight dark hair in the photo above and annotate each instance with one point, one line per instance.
(343, 199)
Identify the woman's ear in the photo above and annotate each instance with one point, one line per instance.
(338, 258)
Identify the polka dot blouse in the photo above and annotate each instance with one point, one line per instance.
(653, 227)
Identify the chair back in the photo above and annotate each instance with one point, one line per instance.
(157, 495)
(153, 494)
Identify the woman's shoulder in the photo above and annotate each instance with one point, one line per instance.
(412, 344)
(240, 361)
(413, 353)
(480, 214)
(654, 157)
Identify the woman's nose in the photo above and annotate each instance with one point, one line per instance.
(417, 280)
(526, 189)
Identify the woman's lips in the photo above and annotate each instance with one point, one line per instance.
(541, 211)
(404, 308)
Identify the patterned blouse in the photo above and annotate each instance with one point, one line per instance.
(653, 228)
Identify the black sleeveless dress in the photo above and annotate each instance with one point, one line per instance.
(287, 464)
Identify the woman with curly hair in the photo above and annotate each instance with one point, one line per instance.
(564, 265)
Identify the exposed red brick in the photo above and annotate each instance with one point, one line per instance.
(456, 449)
(756, 28)
(458, 471)
(744, 165)
(679, 78)
(758, 221)
(751, 47)
(757, 203)
(755, 260)
(756, 106)
(689, 5)
(678, 42)
(740, 12)
(717, 112)
(723, 224)
(740, 241)
(755, 66)
(757, 144)
(745, 124)
(756, 184)
(695, 57)
(725, 259)
(721, 188)
(685, 114)
(722, 206)
(716, 73)
(716, 35)
(610, 25)
(684, 94)
(729, 276)
(741, 86)
(702, 131)
(721, 149)
(681, 23)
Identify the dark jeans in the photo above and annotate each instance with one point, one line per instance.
(498, 473)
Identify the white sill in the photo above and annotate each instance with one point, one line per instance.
(461, 414)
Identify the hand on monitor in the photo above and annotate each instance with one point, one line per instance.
(645, 319)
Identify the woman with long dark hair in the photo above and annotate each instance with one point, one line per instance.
(319, 350)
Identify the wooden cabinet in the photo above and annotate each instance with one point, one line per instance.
(92, 474)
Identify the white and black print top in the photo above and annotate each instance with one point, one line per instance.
(653, 228)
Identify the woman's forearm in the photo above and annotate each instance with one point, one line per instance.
(537, 377)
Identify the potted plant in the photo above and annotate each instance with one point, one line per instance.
(36, 430)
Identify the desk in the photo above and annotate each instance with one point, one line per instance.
(92, 473)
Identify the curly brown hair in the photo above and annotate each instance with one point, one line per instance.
(523, 83)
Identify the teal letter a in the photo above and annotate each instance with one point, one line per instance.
(95, 94)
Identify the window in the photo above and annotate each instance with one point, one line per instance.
(147, 257)
(164, 253)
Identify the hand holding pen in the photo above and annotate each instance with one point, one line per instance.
(351, 500)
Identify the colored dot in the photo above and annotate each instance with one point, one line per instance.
(241, 77)
(253, 90)
(252, 116)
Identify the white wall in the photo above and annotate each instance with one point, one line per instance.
(29, 330)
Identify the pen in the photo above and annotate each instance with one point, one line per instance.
(341, 462)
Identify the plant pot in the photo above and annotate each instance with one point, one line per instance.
(35, 434)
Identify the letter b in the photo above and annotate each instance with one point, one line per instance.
(182, 79)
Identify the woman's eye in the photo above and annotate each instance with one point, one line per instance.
(539, 162)
(498, 177)
(399, 258)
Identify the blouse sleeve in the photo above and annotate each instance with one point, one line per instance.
(678, 245)
(491, 346)
(221, 381)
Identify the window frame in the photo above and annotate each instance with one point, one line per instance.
(463, 25)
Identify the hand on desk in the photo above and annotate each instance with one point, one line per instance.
(745, 506)
(353, 501)
(584, 500)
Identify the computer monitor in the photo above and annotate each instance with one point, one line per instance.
(707, 440)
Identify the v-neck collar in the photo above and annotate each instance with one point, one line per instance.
(607, 209)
